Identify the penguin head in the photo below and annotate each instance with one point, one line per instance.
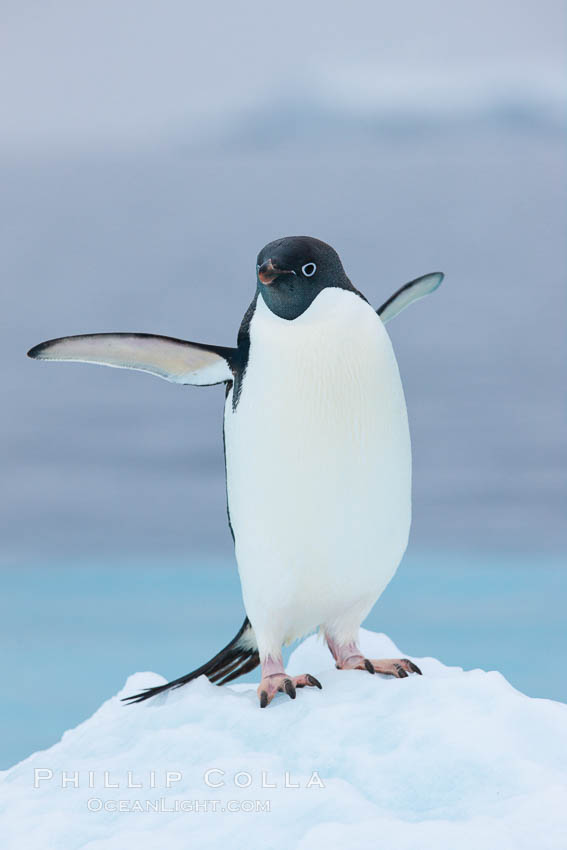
(292, 271)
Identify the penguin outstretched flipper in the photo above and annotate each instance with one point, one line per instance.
(412, 291)
(171, 359)
(238, 657)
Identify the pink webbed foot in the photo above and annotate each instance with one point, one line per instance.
(349, 657)
(398, 667)
(270, 685)
(275, 679)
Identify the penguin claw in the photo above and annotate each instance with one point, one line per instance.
(413, 668)
(289, 689)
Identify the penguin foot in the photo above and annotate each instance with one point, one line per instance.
(281, 682)
(398, 667)
(348, 657)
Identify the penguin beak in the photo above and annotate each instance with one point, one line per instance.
(268, 272)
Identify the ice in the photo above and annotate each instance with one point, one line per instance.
(450, 759)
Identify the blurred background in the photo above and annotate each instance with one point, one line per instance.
(148, 151)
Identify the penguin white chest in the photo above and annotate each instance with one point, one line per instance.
(318, 466)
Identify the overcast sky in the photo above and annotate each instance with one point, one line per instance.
(107, 72)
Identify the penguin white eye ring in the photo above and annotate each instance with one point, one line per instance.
(294, 535)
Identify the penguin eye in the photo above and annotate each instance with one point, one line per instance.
(309, 269)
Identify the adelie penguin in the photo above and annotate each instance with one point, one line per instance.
(318, 455)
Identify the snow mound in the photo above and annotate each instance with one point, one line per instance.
(450, 759)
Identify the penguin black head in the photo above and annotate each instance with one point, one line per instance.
(292, 271)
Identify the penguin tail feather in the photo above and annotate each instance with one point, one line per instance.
(238, 657)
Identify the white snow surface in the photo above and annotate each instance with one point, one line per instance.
(444, 760)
